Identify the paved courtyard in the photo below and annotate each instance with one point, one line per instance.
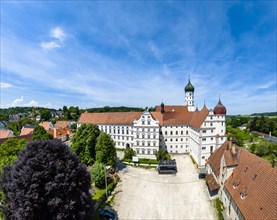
(144, 194)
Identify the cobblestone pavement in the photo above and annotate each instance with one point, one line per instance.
(144, 194)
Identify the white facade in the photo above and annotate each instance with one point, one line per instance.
(146, 134)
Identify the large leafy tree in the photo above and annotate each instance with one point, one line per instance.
(46, 182)
(45, 114)
(9, 151)
(105, 150)
(84, 141)
(41, 134)
(98, 174)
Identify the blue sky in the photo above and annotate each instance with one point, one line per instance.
(92, 54)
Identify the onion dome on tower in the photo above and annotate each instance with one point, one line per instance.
(189, 87)
(219, 109)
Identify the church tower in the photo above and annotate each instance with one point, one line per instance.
(189, 97)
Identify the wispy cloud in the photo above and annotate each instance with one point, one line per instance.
(267, 85)
(5, 85)
(58, 37)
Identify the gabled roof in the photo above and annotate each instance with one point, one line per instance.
(26, 130)
(62, 124)
(46, 124)
(59, 132)
(258, 180)
(215, 159)
(180, 116)
(116, 118)
(4, 133)
(28, 137)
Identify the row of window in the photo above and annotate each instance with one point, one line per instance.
(123, 144)
(122, 138)
(176, 132)
(144, 143)
(146, 129)
(176, 146)
(146, 136)
(171, 139)
(145, 151)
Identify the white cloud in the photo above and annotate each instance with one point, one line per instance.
(58, 33)
(32, 103)
(58, 36)
(50, 45)
(266, 85)
(16, 102)
(5, 85)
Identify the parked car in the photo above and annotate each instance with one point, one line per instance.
(202, 175)
(108, 214)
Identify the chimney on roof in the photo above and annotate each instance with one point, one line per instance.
(55, 132)
(274, 163)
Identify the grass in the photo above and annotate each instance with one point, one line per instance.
(193, 161)
(218, 205)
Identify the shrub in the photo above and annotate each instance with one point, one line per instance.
(98, 174)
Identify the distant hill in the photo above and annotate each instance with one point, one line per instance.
(264, 114)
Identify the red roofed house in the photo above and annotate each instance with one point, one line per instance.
(63, 134)
(47, 125)
(62, 124)
(27, 129)
(246, 183)
(177, 129)
(6, 133)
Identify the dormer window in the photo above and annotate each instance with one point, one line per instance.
(243, 193)
(245, 169)
(254, 176)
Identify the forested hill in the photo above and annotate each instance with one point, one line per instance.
(265, 114)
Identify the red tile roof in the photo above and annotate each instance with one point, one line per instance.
(5, 133)
(62, 124)
(215, 159)
(259, 180)
(121, 118)
(212, 183)
(46, 124)
(28, 137)
(180, 116)
(25, 131)
(59, 132)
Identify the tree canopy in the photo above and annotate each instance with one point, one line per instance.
(105, 149)
(46, 182)
(9, 151)
(161, 154)
(129, 153)
(41, 134)
(98, 174)
(45, 115)
(84, 141)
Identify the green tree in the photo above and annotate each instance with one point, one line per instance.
(41, 134)
(161, 154)
(9, 151)
(105, 149)
(65, 109)
(8, 155)
(84, 141)
(129, 153)
(98, 174)
(45, 115)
